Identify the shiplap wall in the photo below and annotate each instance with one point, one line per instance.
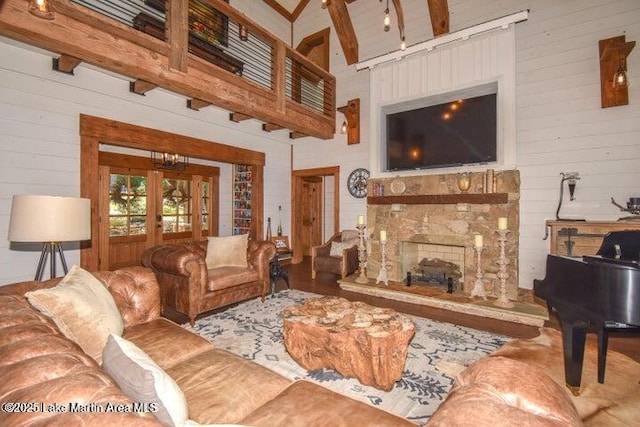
(39, 136)
(560, 126)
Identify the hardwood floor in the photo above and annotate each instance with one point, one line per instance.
(327, 284)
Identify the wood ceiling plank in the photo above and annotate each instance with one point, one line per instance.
(439, 13)
(344, 28)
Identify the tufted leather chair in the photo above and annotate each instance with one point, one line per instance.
(343, 265)
(188, 287)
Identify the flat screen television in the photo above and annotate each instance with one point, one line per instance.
(456, 132)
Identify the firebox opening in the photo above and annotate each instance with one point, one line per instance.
(433, 265)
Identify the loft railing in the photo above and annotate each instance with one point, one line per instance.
(209, 50)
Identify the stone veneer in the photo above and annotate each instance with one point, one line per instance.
(447, 224)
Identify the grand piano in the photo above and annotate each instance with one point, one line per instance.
(601, 291)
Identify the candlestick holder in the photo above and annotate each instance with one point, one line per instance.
(478, 286)
(362, 255)
(382, 275)
(502, 300)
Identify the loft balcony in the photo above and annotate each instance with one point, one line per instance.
(204, 50)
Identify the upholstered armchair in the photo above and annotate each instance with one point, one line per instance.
(189, 286)
(339, 255)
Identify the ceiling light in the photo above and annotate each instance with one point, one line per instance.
(387, 20)
(403, 44)
(324, 4)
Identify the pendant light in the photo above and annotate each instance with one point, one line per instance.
(620, 79)
(42, 9)
(387, 18)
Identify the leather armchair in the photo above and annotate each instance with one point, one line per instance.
(344, 264)
(188, 287)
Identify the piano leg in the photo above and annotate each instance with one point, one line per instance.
(574, 336)
(603, 340)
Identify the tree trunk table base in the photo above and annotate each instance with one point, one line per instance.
(353, 338)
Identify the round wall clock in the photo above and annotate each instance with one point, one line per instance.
(357, 183)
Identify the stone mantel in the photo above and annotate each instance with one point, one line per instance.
(440, 199)
(432, 210)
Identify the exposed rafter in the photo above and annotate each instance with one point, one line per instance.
(141, 87)
(439, 13)
(65, 64)
(197, 104)
(239, 117)
(344, 28)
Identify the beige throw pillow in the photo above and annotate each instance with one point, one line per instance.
(227, 251)
(140, 378)
(337, 247)
(82, 308)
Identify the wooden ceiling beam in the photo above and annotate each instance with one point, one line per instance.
(439, 13)
(110, 45)
(239, 117)
(65, 64)
(344, 28)
(141, 87)
(296, 135)
(270, 127)
(197, 104)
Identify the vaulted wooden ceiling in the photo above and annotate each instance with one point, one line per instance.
(291, 9)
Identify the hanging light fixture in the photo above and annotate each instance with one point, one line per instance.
(403, 44)
(343, 128)
(42, 9)
(243, 32)
(387, 18)
(620, 79)
(324, 4)
(169, 161)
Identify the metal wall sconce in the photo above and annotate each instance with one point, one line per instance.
(571, 178)
(169, 161)
(351, 113)
(613, 71)
(42, 9)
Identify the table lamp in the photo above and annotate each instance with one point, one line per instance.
(50, 220)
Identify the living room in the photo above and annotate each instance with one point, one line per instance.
(557, 124)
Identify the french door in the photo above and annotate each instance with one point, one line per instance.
(140, 208)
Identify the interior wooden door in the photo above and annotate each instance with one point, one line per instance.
(311, 211)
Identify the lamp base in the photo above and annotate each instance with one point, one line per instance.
(50, 248)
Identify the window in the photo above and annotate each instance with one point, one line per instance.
(206, 197)
(127, 205)
(176, 205)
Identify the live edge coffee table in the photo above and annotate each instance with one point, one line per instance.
(352, 338)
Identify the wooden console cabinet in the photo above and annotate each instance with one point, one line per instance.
(578, 238)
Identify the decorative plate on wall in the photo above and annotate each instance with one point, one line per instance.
(397, 186)
(357, 183)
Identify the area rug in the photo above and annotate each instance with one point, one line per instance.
(437, 352)
(614, 403)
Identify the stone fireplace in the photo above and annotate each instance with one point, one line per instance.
(428, 217)
(432, 264)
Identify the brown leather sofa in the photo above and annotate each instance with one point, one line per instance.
(189, 287)
(39, 365)
(344, 264)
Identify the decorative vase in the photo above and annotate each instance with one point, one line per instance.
(464, 181)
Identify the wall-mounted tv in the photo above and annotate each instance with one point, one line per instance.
(455, 129)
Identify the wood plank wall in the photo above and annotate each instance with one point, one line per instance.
(560, 126)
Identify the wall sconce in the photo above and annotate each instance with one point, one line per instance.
(571, 178)
(169, 161)
(351, 125)
(42, 9)
(613, 71)
(243, 32)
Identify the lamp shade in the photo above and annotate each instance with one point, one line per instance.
(49, 219)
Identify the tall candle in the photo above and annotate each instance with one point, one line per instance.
(360, 219)
(478, 240)
(502, 223)
(383, 236)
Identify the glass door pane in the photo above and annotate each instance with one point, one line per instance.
(127, 205)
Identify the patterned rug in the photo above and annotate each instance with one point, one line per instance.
(437, 352)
